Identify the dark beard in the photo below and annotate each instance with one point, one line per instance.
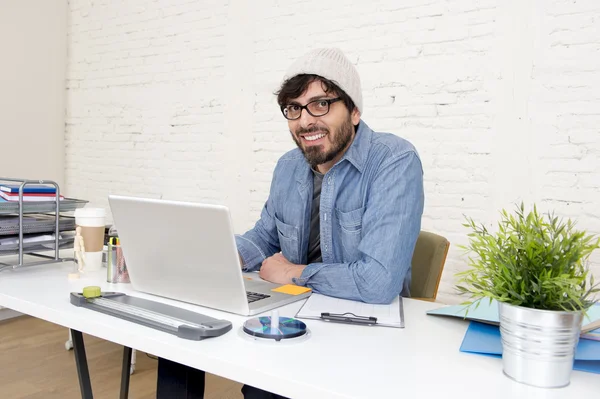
(315, 155)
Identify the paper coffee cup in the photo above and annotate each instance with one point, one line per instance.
(92, 223)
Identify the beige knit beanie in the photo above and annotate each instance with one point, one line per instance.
(331, 64)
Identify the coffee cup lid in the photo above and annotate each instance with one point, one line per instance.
(90, 212)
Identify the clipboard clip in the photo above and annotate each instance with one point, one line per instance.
(348, 317)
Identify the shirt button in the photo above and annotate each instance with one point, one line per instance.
(329, 180)
(325, 247)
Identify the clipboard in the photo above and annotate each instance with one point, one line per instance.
(349, 317)
(337, 310)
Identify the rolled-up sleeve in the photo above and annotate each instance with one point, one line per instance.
(390, 227)
(262, 240)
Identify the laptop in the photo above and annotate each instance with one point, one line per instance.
(186, 251)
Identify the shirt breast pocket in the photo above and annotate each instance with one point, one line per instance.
(350, 228)
(288, 240)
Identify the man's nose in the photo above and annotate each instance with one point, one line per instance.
(306, 119)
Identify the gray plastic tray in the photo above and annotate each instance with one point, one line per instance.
(29, 247)
(40, 223)
(66, 205)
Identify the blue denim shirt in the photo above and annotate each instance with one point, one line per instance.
(371, 208)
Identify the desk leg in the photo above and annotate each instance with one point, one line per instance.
(82, 367)
(125, 372)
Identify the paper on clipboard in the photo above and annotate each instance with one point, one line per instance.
(391, 315)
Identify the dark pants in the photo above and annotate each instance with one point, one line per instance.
(176, 381)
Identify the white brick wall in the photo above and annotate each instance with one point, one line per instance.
(174, 99)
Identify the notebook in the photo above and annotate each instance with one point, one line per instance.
(29, 188)
(327, 308)
(30, 197)
(487, 312)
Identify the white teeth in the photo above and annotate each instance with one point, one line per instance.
(314, 137)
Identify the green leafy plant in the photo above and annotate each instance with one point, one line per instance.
(532, 261)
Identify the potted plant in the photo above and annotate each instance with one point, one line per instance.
(535, 267)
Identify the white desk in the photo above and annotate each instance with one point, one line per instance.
(337, 361)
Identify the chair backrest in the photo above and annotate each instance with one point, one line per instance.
(428, 262)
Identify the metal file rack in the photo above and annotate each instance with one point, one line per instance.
(21, 208)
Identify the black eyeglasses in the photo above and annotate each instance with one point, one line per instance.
(314, 108)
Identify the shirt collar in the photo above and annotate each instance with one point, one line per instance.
(359, 149)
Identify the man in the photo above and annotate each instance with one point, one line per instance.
(345, 206)
(344, 209)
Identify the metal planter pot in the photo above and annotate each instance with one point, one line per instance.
(538, 346)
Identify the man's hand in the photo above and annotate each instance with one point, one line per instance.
(277, 269)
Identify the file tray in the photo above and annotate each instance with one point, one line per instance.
(64, 241)
(42, 223)
(65, 205)
(170, 319)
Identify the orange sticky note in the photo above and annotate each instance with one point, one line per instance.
(291, 289)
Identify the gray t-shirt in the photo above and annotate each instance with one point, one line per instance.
(314, 238)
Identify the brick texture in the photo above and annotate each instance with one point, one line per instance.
(174, 99)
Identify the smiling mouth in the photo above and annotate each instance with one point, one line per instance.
(314, 137)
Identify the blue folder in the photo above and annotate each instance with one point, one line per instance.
(487, 312)
(30, 188)
(484, 339)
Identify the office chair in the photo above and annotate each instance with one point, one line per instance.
(428, 262)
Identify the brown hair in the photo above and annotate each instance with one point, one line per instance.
(295, 86)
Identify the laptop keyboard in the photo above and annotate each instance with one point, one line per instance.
(255, 296)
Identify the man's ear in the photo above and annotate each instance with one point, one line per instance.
(355, 116)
